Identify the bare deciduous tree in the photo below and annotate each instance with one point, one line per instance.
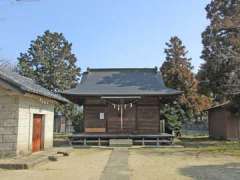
(4, 64)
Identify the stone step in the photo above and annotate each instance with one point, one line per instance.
(120, 142)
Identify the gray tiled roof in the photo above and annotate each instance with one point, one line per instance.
(121, 81)
(27, 85)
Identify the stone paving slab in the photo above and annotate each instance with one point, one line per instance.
(120, 142)
(27, 162)
(117, 166)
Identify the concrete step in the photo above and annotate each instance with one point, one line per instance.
(120, 142)
(27, 162)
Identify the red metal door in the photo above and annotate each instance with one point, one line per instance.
(37, 133)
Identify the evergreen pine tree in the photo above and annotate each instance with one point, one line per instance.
(51, 63)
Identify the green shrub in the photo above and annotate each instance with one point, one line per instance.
(77, 122)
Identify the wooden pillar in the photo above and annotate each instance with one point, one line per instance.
(107, 110)
(159, 116)
(136, 118)
(162, 126)
(158, 141)
(84, 115)
(121, 109)
(99, 141)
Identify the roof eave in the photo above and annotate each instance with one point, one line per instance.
(219, 106)
(120, 94)
(23, 90)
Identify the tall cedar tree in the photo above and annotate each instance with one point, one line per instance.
(177, 73)
(50, 62)
(221, 53)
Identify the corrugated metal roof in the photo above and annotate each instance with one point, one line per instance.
(27, 85)
(121, 81)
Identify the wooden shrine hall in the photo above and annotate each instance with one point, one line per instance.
(121, 103)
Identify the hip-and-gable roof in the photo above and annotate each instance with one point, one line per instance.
(121, 81)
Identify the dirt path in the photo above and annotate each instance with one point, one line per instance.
(85, 164)
(134, 164)
(152, 165)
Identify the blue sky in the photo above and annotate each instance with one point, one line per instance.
(105, 33)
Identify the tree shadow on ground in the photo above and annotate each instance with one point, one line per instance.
(229, 171)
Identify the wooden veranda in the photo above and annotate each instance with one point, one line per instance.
(102, 139)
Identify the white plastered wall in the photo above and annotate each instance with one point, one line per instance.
(28, 106)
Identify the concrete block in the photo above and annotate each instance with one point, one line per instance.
(9, 122)
(12, 130)
(10, 138)
(7, 147)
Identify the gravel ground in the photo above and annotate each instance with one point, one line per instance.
(143, 164)
(85, 164)
(155, 165)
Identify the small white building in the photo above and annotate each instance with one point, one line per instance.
(26, 115)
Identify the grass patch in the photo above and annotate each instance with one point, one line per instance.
(203, 144)
(200, 145)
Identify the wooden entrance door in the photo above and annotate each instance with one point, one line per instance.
(128, 120)
(37, 138)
